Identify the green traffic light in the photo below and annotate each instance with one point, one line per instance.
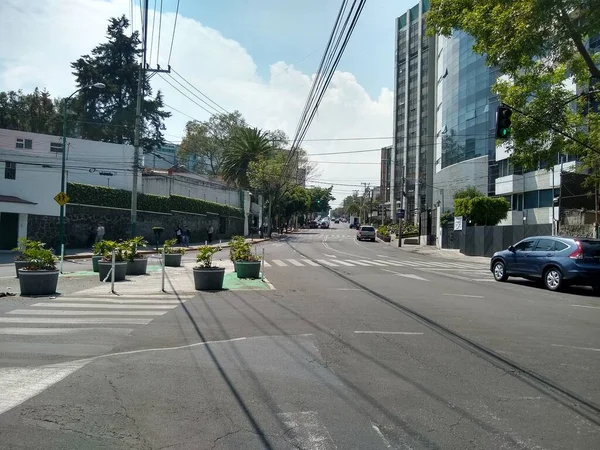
(505, 131)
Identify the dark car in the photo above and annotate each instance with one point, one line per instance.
(557, 261)
(313, 224)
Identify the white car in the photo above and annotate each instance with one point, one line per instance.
(366, 232)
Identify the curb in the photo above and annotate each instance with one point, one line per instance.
(154, 252)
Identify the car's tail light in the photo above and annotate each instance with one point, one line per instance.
(578, 253)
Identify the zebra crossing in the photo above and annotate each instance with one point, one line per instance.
(343, 262)
(78, 326)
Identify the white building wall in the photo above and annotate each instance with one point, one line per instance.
(472, 172)
(188, 186)
(85, 159)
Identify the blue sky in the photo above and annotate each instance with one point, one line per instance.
(297, 31)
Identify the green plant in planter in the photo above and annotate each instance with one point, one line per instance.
(205, 256)
(119, 249)
(170, 249)
(383, 230)
(100, 247)
(130, 247)
(234, 244)
(243, 253)
(24, 245)
(39, 259)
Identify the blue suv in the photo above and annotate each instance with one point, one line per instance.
(556, 260)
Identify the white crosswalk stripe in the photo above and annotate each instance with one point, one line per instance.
(280, 263)
(344, 263)
(327, 263)
(296, 263)
(310, 262)
(100, 306)
(266, 264)
(373, 263)
(360, 263)
(54, 312)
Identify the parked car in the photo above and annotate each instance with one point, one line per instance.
(557, 261)
(324, 224)
(366, 232)
(336, 221)
(313, 224)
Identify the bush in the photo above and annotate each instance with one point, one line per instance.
(170, 249)
(234, 244)
(39, 259)
(205, 255)
(383, 230)
(24, 245)
(119, 198)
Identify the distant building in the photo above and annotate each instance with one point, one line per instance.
(384, 176)
(414, 112)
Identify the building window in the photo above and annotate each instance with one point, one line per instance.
(24, 143)
(10, 170)
(56, 147)
(531, 199)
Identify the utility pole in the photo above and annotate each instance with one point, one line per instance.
(138, 117)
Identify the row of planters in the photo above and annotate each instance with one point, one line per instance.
(384, 232)
(128, 259)
(245, 263)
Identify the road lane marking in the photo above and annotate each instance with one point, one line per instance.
(30, 331)
(360, 263)
(305, 431)
(280, 263)
(266, 264)
(408, 333)
(412, 276)
(118, 301)
(101, 306)
(380, 434)
(330, 256)
(310, 262)
(345, 263)
(348, 289)
(464, 295)
(372, 263)
(326, 263)
(73, 321)
(586, 306)
(52, 312)
(77, 350)
(296, 263)
(577, 348)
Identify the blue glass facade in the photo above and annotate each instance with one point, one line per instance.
(468, 105)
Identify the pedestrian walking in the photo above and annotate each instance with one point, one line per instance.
(187, 234)
(211, 230)
(100, 232)
(178, 234)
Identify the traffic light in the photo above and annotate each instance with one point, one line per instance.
(503, 122)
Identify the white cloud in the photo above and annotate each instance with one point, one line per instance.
(48, 36)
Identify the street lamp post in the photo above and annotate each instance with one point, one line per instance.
(61, 226)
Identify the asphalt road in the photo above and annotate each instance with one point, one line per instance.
(360, 346)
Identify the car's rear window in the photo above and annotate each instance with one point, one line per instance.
(591, 248)
(367, 228)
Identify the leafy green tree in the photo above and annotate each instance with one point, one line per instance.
(541, 47)
(247, 145)
(468, 192)
(109, 114)
(320, 199)
(482, 210)
(210, 139)
(37, 112)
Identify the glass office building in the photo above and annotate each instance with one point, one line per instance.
(414, 112)
(465, 118)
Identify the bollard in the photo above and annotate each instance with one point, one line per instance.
(163, 270)
(62, 256)
(205, 242)
(262, 263)
(112, 274)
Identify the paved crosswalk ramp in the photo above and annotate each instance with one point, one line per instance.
(76, 327)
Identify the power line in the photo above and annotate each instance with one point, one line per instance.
(195, 95)
(152, 36)
(173, 37)
(202, 93)
(159, 31)
(193, 101)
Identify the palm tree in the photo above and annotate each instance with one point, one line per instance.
(248, 145)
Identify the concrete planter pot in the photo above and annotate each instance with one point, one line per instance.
(173, 259)
(120, 270)
(38, 282)
(248, 269)
(20, 265)
(234, 265)
(137, 267)
(208, 279)
(95, 260)
(383, 237)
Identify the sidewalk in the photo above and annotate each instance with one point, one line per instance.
(430, 250)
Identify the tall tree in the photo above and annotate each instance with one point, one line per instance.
(208, 140)
(247, 145)
(109, 114)
(541, 47)
(36, 112)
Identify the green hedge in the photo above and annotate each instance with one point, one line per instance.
(119, 198)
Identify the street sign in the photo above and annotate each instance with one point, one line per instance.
(400, 214)
(61, 198)
(458, 223)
